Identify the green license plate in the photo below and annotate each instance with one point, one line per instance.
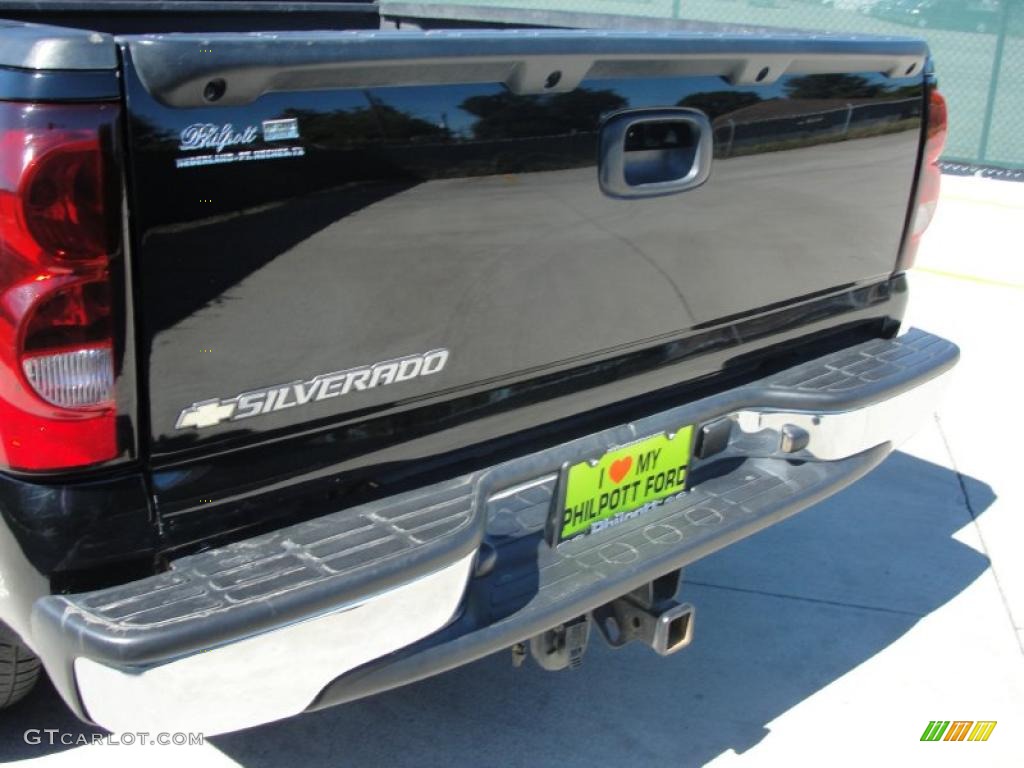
(627, 480)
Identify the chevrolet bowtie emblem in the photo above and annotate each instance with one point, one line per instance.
(205, 414)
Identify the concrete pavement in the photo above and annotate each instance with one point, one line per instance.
(831, 638)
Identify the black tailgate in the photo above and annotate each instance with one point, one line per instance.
(306, 206)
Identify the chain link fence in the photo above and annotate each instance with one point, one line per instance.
(978, 47)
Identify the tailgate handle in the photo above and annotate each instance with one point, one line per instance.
(653, 152)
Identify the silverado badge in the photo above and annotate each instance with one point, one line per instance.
(257, 402)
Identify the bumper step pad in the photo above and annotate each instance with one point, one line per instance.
(244, 588)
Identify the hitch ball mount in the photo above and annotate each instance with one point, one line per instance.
(650, 614)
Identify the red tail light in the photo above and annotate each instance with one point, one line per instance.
(936, 129)
(58, 331)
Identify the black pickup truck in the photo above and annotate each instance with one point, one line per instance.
(342, 344)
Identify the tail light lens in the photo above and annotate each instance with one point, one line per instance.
(59, 254)
(936, 130)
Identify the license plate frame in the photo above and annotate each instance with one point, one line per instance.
(631, 470)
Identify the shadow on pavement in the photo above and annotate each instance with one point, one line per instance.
(779, 617)
(42, 709)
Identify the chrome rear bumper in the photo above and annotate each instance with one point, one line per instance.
(274, 674)
(422, 582)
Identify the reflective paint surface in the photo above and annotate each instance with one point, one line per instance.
(470, 218)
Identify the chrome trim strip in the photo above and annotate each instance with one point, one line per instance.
(504, 494)
(273, 675)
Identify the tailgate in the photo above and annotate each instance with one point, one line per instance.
(331, 225)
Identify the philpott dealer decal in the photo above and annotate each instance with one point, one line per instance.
(226, 144)
(259, 402)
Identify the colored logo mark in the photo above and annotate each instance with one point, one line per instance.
(958, 730)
